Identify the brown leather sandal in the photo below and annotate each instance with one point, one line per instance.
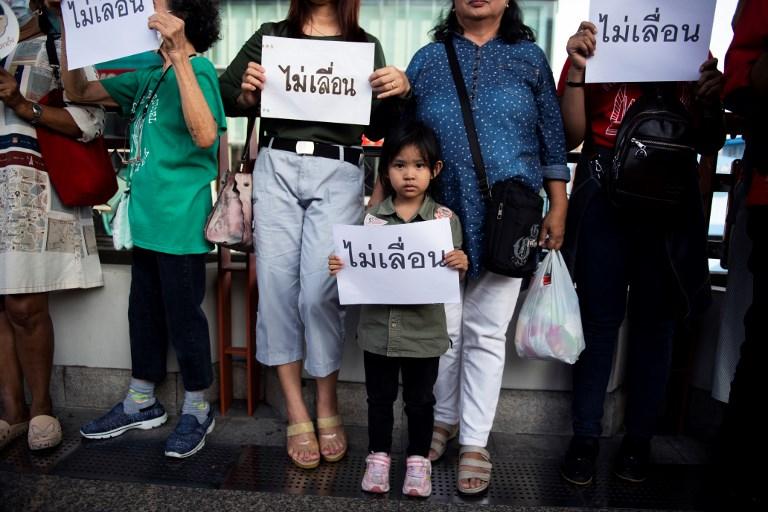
(439, 440)
(484, 465)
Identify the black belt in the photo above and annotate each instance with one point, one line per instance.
(308, 147)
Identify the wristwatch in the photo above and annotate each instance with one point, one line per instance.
(37, 113)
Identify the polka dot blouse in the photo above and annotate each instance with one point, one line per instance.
(517, 115)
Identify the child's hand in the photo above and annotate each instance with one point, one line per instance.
(334, 264)
(457, 260)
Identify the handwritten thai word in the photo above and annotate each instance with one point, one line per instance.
(650, 32)
(104, 11)
(319, 82)
(395, 260)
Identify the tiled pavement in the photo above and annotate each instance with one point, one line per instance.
(244, 467)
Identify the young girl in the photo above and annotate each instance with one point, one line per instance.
(404, 339)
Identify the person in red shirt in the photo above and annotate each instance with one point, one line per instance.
(661, 258)
(746, 93)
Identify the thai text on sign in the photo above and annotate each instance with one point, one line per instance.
(314, 80)
(650, 40)
(103, 30)
(396, 264)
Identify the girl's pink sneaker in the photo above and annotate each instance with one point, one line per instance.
(418, 477)
(376, 478)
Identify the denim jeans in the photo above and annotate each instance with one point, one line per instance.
(617, 250)
(167, 291)
(381, 384)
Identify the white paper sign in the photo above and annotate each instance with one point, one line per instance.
(102, 30)
(9, 30)
(317, 80)
(398, 264)
(650, 40)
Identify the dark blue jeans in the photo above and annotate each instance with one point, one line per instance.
(616, 251)
(165, 306)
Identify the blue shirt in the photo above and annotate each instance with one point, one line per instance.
(517, 114)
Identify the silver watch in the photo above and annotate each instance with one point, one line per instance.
(37, 113)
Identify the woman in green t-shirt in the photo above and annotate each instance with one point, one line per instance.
(308, 176)
(176, 119)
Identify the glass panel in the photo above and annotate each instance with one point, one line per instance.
(732, 150)
(717, 215)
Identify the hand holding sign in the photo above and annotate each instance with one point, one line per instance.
(335, 264)
(389, 82)
(581, 45)
(710, 83)
(252, 85)
(457, 260)
(171, 29)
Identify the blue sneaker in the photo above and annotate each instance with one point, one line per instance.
(189, 436)
(116, 422)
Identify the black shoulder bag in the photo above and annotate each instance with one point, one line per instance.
(513, 210)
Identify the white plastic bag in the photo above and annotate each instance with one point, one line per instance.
(121, 226)
(549, 325)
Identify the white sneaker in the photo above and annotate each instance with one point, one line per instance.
(376, 478)
(418, 477)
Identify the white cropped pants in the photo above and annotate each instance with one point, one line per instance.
(469, 378)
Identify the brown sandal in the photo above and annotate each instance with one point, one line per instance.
(297, 429)
(439, 440)
(483, 464)
(328, 423)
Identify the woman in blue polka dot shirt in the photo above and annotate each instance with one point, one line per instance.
(515, 107)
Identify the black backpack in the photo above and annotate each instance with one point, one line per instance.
(654, 162)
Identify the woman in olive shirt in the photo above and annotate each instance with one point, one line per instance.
(298, 194)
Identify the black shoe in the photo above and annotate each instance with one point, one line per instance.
(579, 462)
(632, 461)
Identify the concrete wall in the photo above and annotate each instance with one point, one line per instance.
(92, 364)
(91, 329)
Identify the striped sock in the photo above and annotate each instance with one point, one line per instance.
(141, 394)
(196, 405)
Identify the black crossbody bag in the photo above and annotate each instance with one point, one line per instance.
(513, 211)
